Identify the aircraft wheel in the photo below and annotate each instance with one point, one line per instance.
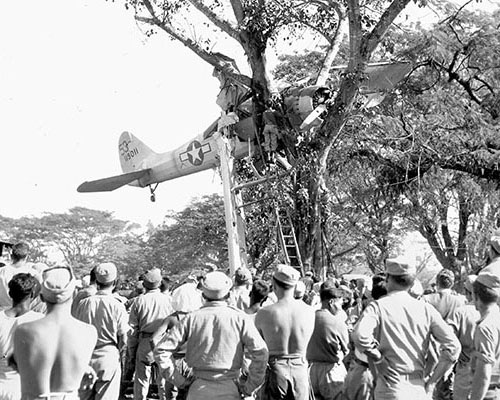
(153, 198)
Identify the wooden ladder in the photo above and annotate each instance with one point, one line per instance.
(288, 240)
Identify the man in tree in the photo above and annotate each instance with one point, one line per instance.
(18, 265)
(216, 336)
(486, 358)
(146, 315)
(328, 345)
(108, 315)
(22, 289)
(53, 353)
(394, 332)
(286, 326)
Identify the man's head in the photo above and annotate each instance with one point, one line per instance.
(285, 277)
(242, 276)
(486, 289)
(106, 275)
(259, 292)
(400, 274)
(445, 279)
(152, 279)
(216, 286)
(23, 287)
(58, 285)
(332, 297)
(19, 252)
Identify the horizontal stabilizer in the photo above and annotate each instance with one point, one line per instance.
(112, 183)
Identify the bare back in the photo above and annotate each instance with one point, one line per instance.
(52, 354)
(286, 327)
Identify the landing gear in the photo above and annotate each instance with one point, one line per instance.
(152, 190)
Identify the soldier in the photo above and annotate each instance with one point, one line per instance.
(394, 332)
(146, 315)
(53, 353)
(216, 337)
(463, 322)
(286, 326)
(110, 319)
(328, 345)
(486, 359)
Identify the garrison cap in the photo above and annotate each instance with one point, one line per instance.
(286, 274)
(152, 279)
(399, 266)
(58, 285)
(489, 280)
(106, 273)
(216, 285)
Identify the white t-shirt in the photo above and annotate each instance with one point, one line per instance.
(7, 327)
(6, 274)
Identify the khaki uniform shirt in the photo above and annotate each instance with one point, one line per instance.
(216, 337)
(149, 310)
(401, 327)
(110, 318)
(487, 342)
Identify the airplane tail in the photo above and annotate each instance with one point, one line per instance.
(133, 153)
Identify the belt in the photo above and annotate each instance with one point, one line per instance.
(144, 335)
(362, 363)
(286, 357)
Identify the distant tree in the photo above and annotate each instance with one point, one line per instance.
(190, 238)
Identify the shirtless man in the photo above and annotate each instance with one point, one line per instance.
(286, 327)
(53, 353)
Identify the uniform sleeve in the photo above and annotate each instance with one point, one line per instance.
(449, 345)
(363, 333)
(164, 350)
(484, 345)
(256, 351)
(133, 319)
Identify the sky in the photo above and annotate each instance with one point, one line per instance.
(73, 76)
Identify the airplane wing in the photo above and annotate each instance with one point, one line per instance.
(112, 183)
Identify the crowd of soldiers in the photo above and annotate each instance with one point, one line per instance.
(222, 337)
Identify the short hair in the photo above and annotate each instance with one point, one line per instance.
(445, 279)
(484, 293)
(259, 292)
(379, 290)
(106, 285)
(282, 285)
(402, 280)
(20, 251)
(23, 286)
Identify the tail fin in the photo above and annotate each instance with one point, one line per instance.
(133, 153)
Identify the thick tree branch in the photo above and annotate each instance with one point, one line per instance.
(211, 58)
(371, 41)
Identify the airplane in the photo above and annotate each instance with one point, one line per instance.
(143, 167)
(303, 108)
